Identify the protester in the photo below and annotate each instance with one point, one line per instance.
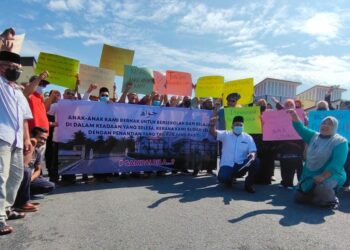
(33, 182)
(290, 155)
(265, 152)
(232, 100)
(14, 135)
(323, 173)
(238, 154)
(53, 172)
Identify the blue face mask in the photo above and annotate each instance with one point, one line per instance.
(237, 130)
(104, 98)
(156, 103)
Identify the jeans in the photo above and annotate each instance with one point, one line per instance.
(11, 174)
(23, 194)
(41, 186)
(227, 173)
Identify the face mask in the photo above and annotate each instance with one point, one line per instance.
(237, 130)
(262, 108)
(40, 89)
(12, 75)
(156, 103)
(104, 98)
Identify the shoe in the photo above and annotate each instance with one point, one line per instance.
(5, 229)
(273, 178)
(249, 189)
(28, 207)
(108, 180)
(195, 172)
(13, 215)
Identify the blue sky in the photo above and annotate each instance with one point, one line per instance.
(306, 41)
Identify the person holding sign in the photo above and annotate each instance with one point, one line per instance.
(238, 154)
(14, 135)
(323, 172)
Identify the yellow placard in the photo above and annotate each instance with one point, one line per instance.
(115, 58)
(62, 70)
(99, 76)
(209, 86)
(251, 115)
(245, 87)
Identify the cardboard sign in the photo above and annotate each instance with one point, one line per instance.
(251, 115)
(209, 86)
(245, 87)
(17, 43)
(62, 70)
(141, 79)
(179, 83)
(115, 58)
(99, 76)
(277, 125)
(160, 84)
(343, 117)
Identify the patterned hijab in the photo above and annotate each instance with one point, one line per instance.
(321, 147)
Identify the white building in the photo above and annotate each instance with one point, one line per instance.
(318, 92)
(280, 89)
(28, 67)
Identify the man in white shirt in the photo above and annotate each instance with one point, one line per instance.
(238, 154)
(14, 135)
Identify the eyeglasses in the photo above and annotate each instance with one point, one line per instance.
(9, 66)
(104, 95)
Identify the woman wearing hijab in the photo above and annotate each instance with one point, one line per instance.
(323, 172)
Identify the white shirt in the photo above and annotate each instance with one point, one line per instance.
(14, 109)
(53, 111)
(234, 148)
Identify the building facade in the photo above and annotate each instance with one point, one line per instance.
(28, 67)
(280, 89)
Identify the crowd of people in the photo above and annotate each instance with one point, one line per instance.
(28, 141)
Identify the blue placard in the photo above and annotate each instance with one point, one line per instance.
(343, 116)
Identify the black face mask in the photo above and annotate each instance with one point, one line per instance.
(262, 108)
(12, 75)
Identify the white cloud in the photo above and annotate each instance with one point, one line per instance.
(65, 5)
(324, 26)
(48, 26)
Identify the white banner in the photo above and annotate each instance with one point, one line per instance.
(118, 120)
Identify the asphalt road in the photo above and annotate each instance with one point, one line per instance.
(178, 212)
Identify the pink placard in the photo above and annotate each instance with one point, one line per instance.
(160, 84)
(277, 126)
(179, 83)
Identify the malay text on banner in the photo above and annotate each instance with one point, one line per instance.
(99, 76)
(251, 115)
(209, 86)
(98, 137)
(62, 70)
(343, 117)
(277, 125)
(141, 79)
(245, 87)
(179, 83)
(115, 58)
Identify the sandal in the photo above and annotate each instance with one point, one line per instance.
(6, 229)
(13, 215)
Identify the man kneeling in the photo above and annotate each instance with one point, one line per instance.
(238, 154)
(33, 182)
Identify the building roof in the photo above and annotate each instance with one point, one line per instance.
(319, 86)
(28, 61)
(280, 80)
